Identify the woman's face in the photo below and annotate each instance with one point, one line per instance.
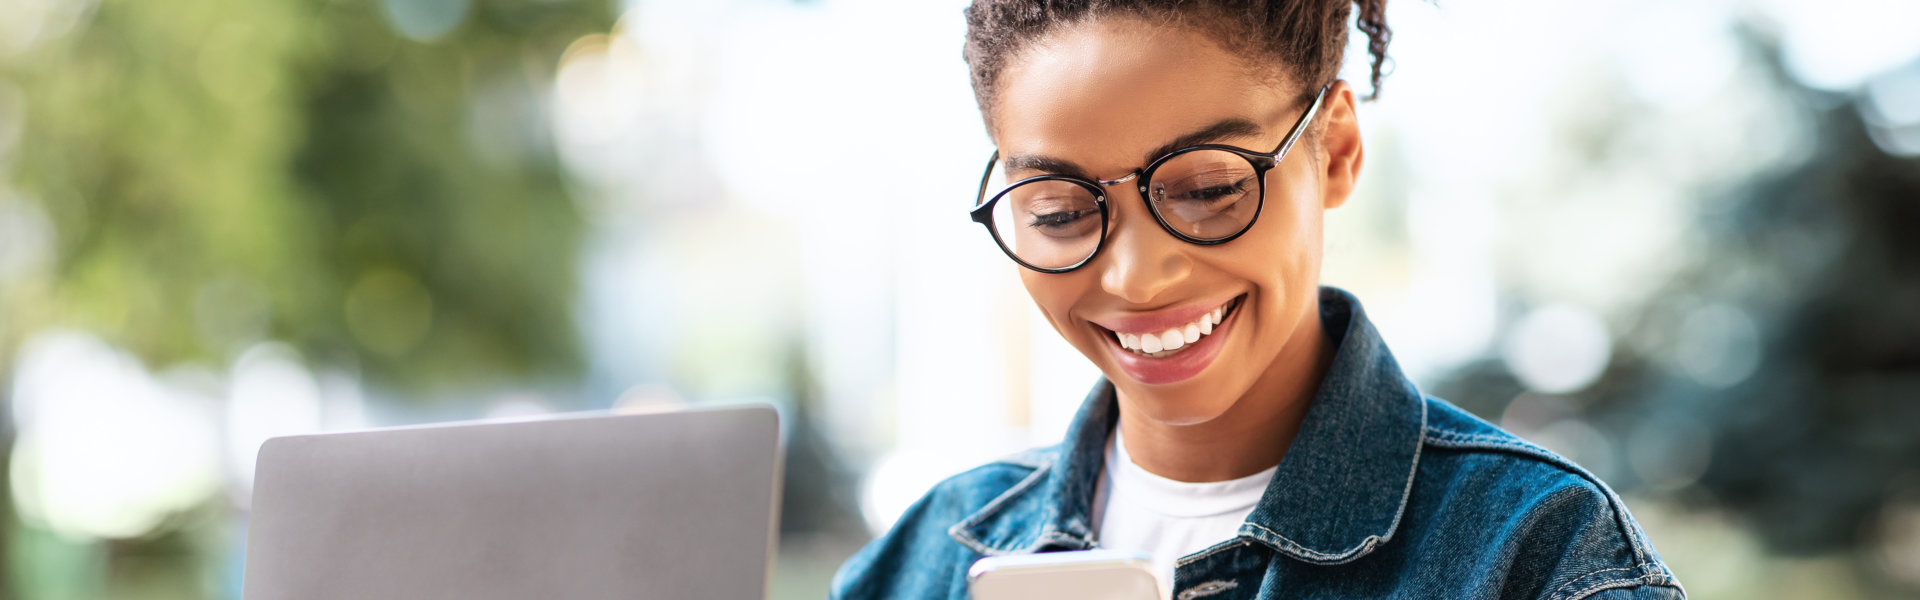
(1103, 96)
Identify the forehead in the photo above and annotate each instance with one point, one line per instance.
(1101, 93)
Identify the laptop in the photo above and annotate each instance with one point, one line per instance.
(666, 505)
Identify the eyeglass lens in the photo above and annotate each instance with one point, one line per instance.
(1205, 195)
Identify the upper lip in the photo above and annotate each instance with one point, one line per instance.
(1159, 320)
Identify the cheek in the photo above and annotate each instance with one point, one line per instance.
(1294, 190)
(1284, 247)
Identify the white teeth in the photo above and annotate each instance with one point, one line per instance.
(1173, 339)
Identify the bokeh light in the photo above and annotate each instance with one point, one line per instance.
(1558, 349)
(1719, 345)
(103, 449)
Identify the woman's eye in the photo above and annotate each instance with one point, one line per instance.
(1212, 193)
(1058, 219)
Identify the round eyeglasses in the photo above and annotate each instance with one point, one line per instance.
(1206, 194)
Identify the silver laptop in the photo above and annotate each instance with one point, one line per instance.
(667, 505)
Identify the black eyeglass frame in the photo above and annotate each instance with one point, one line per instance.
(982, 212)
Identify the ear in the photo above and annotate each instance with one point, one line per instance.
(1340, 146)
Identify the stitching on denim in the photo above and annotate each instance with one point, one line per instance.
(1497, 440)
(959, 530)
(1481, 442)
(1367, 544)
(1563, 587)
(1621, 517)
(1604, 585)
(1054, 535)
(1208, 589)
(1413, 472)
(1216, 549)
(1661, 575)
(960, 535)
(1301, 550)
(1656, 577)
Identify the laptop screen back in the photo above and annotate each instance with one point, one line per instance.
(670, 505)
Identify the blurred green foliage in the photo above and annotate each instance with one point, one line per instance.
(1814, 451)
(217, 173)
(221, 172)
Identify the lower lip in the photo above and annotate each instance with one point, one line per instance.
(1179, 367)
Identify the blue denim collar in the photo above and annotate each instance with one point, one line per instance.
(1337, 495)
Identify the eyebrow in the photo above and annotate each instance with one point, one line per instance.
(1223, 129)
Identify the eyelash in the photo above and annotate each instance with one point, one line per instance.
(1221, 191)
(1057, 219)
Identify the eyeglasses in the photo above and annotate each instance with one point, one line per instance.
(1206, 194)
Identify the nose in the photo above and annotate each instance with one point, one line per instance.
(1141, 261)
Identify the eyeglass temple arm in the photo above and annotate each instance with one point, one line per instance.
(1301, 127)
(980, 216)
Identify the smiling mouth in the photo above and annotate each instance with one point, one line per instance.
(1172, 341)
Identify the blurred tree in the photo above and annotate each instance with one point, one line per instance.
(221, 172)
(368, 180)
(1778, 373)
(1823, 435)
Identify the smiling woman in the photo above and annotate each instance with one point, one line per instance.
(1162, 173)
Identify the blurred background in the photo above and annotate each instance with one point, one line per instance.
(1677, 241)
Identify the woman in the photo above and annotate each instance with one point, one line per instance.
(1161, 174)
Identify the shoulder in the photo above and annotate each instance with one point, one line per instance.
(1467, 453)
(919, 556)
(1531, 510)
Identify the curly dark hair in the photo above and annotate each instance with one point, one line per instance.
(1305, 39)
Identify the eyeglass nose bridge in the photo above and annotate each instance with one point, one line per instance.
(1129, 177)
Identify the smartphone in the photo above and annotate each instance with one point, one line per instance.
(1083, 574)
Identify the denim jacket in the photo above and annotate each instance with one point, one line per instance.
(1384, 493)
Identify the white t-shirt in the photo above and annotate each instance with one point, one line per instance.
(1168, 519)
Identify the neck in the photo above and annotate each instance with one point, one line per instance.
(1252, 435)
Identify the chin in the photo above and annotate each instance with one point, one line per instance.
(1189, 406)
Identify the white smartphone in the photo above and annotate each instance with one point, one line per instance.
(1083, 574)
